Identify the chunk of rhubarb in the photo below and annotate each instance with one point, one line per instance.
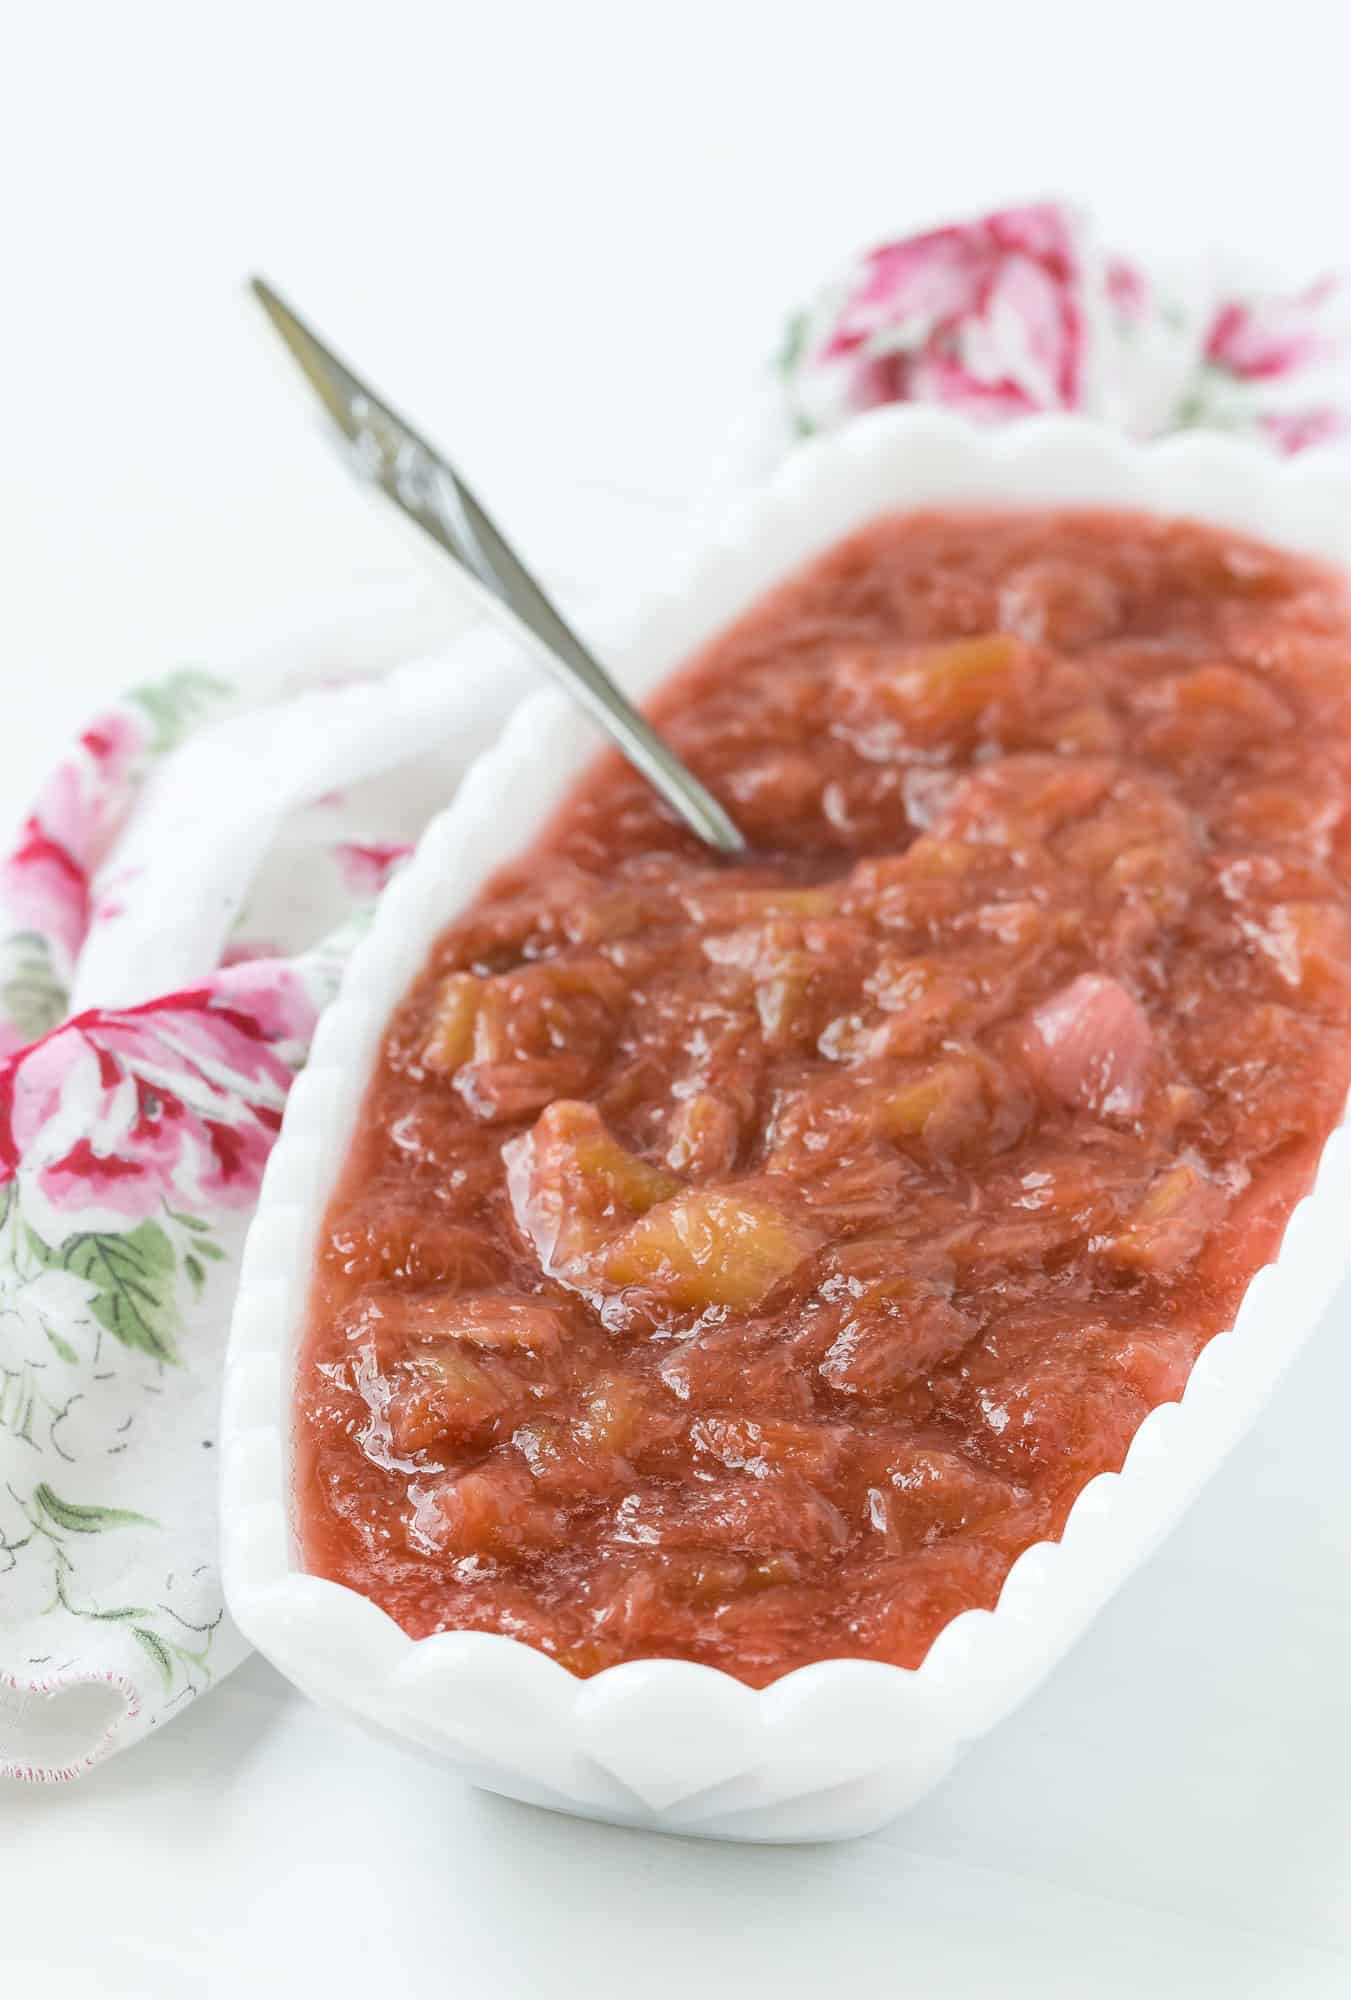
(940, 691)
(1090, 1044)
(385, 1242)
(725, 1366)
(769, 1444)
(1059, 604)
(737, 1512)
(402, 1320)
(722, 1246)
(1166, 1231)
(567, 1461)
(1016, 800)
(895, 1334)
(574, 1188)
(920, 1493)
(439, 1367)
(942, 1105)
(454, 1396)
(501, 1093)
(495, 1510)
(1308, 945)
(704, 1134)
(1216, 711)
(451, 1038)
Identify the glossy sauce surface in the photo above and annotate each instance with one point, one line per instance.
(746, 1263)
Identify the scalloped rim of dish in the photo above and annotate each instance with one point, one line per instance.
(837, 1746)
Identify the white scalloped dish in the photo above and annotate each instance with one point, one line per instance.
(832, 1749)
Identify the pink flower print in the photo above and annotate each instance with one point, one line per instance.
(1296, 430)
(275, 997)
(986, 316)
(1128, 291)
(114, 743)
(366, 866)
(1022, 311)
(111, 903)
(83, 800)
(114, 1115)
(43, 889)
(245, 951)
(1257, 340)
(44, 883)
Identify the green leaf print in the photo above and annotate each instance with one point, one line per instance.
(19, 1404)
(151, 1643)
(176, 704)
(794, 343)
(60, 1346)
(31, 995)
(46, 1255)
(78, 1520)
(133, 1276)
(196, 1247)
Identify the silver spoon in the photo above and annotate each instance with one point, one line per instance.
(431, 493)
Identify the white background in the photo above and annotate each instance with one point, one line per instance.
(564, 233)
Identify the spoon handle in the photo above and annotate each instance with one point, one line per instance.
(431, 493)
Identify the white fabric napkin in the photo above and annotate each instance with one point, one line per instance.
(180, 899)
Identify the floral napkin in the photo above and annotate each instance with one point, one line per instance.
(179, 901)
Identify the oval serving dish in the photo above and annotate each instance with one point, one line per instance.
(836, 1748)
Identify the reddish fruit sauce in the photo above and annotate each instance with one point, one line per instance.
(745, 1263)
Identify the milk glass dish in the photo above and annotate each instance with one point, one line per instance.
(836, 1748)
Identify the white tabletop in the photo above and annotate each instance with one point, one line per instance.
(564, 233)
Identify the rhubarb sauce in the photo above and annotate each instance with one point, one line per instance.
(745, 1263)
